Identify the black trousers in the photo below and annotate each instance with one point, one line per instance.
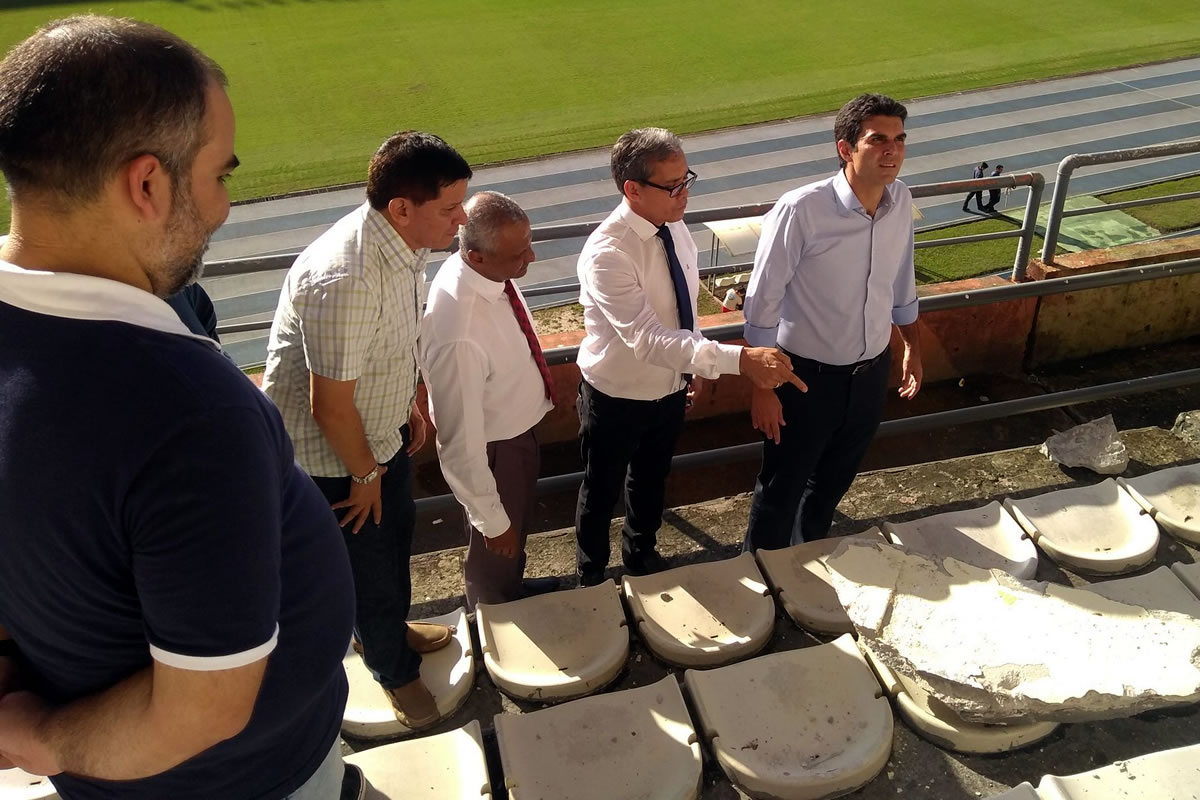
(630, 443)
(828, 431)
(379, 557)
(978, 200)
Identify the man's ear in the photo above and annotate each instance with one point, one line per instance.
(845, 149)
(631, 189)
(147, 186)
(473, 257)
(400, 209)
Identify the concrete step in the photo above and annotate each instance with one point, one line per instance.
(1159, 590)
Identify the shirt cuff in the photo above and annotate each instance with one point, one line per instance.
(904, 315)
(729, 359)
(493, 522)
(760, 337)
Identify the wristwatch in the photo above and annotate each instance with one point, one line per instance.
(365, 479)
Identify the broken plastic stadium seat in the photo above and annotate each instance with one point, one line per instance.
(796, 725)
(705, 614)
(555, 646)
(1098, 529)
(798, 576)
(1172, 496)
(986, 537)
(448, 766)
(449, 673)
(636, 743)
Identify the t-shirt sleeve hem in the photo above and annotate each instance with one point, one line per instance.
(214, 663)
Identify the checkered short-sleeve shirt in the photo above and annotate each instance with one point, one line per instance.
(350, 309)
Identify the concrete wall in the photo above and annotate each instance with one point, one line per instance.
(1096, 321)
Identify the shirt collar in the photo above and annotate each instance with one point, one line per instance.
(644, 228)
(848, 201)
(86, 297)
(391, 243)
(487, 289)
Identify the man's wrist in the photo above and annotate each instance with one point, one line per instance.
(366, 477)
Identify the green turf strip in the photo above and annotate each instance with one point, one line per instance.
(317, 84)
(1168, 217)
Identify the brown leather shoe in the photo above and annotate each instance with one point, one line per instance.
(426, 637)
(414, 705)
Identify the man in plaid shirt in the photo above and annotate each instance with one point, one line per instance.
(341, 366)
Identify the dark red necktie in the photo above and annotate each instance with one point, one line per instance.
(535, 347)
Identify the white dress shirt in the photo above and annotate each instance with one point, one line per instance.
(350, 309)
(633, 345)
(484, 385)
(829, 280)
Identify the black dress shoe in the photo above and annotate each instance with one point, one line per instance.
(532, 586)
(354, 784)
(646, 563)
(589, 578)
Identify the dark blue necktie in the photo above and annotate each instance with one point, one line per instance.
(682, 301)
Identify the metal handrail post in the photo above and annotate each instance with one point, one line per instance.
(1028, 227)
(1068, 165)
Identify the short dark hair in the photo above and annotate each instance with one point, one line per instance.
(636, 152)
(413, 165)
(847, 126)
(84, 95)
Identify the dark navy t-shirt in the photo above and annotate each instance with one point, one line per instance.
(150, 504)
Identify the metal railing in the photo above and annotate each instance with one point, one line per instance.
(1066, 167)
(892, 427)
(1024, 233)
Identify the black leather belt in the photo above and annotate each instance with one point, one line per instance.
(799, 362)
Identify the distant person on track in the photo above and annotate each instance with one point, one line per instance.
(994, 194)
(976, 173)
(732, 301)
(341, 366)
(175, 599)
(488, 387)
(638, 283)
(833, 277)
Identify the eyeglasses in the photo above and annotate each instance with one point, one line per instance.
(675, 190)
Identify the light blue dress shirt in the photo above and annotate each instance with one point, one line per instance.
(829, 280)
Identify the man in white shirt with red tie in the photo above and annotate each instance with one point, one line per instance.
(488, 387)
(641, 352)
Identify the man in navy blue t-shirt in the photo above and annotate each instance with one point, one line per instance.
(175, 598)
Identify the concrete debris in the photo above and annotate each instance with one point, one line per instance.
(998, 649)
(1187, 427)
(1095, 445)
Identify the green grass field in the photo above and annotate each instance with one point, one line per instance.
(1168, 217)
(317, 84)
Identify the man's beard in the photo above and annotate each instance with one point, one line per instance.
(181, 259)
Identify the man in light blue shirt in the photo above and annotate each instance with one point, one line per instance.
(832, 277)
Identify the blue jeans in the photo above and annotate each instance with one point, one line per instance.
(326, 782)
(382, 585)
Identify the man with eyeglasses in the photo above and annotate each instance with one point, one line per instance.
(641, 353)
(833, 278)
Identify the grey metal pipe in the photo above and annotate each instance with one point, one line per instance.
(1028, 227)
(1145, 201)
(1068, 165)
(895, 427)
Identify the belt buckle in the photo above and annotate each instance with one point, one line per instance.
(859, 367)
